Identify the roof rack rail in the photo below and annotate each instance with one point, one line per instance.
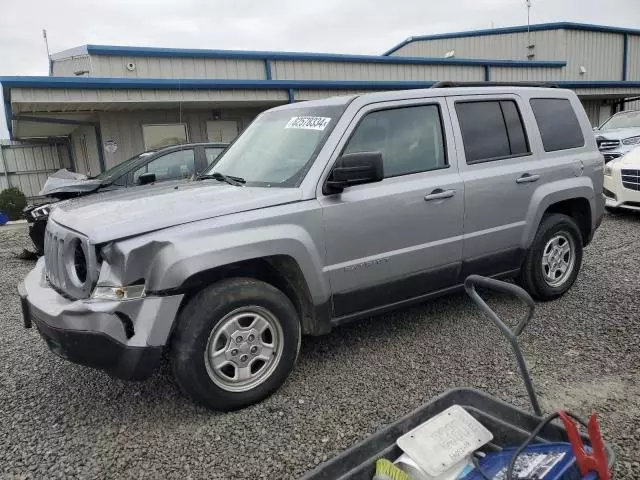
(452, 84)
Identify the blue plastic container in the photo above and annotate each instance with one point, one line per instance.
(543, 461)
(4, 218)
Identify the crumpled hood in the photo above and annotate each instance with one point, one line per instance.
(618, 133)
(133, 211)
(64, 181)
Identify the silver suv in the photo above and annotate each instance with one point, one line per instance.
(619, 134)
(318, 214)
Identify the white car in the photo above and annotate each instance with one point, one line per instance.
(622, 182)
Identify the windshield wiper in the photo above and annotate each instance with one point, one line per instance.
(231, 180)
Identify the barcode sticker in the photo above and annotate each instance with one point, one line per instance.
(308, 123)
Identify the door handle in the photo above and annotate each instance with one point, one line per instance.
(439, 194)
(528, 178)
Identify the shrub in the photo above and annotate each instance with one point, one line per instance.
(12, 202)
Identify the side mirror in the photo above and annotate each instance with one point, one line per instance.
(146, 178)
(354, 169)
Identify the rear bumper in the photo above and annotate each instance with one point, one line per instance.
(125, 339)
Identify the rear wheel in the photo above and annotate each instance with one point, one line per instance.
(553, 261)
(235, 344)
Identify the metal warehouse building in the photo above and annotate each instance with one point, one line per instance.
(108, 103)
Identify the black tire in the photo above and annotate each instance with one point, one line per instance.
(198, 320)
(531, 276)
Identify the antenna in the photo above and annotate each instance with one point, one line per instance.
(46, 46)
(528, 2)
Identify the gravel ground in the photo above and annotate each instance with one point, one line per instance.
(58, 420)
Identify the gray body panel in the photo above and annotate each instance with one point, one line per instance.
(370, 247)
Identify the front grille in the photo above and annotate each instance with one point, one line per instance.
(605, 144)
(631, 179)
(69, 262)
(53, 258)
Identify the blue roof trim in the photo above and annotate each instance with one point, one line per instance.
(307, 56)
(224, 84)
(517, 29)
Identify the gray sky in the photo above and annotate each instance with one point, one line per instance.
(342, 26)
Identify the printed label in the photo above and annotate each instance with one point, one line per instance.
(532, 466)
(308, 123)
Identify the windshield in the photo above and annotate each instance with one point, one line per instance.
(622, 120)
(277, 148)
(121, 168)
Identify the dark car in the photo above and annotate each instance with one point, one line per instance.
(169, 163)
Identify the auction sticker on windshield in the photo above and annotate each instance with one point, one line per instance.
(308, 123)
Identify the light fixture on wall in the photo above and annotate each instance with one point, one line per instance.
(450, 54)
(582, 70)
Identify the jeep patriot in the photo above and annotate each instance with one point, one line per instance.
(320, 213)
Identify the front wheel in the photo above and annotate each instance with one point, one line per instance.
(235, 344)
(553, 261)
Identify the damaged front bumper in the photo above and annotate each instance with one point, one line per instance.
(124, 338)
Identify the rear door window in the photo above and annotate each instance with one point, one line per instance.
(491, 130)
(558, 124)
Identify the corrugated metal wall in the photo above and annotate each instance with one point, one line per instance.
(67, 67)
(29, 165)
(600, 53)
(549, 45)
(179, 67)
(125, 128)
(313, 70)
(592, 107)
(633, 59)
(47, 99)
(635, 105)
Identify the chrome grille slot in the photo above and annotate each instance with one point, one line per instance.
(631, 179)
(604, 144)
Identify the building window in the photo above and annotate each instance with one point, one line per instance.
(491, 130)
(158, 136)
(410, 139)
(558, 124)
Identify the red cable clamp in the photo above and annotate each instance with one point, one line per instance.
(596, 461)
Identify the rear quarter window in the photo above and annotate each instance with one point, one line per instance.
(558, 124)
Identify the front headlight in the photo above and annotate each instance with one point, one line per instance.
(631, 141)
(42, 211)
(132, 292)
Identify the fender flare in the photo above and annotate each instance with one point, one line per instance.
(551, 193)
